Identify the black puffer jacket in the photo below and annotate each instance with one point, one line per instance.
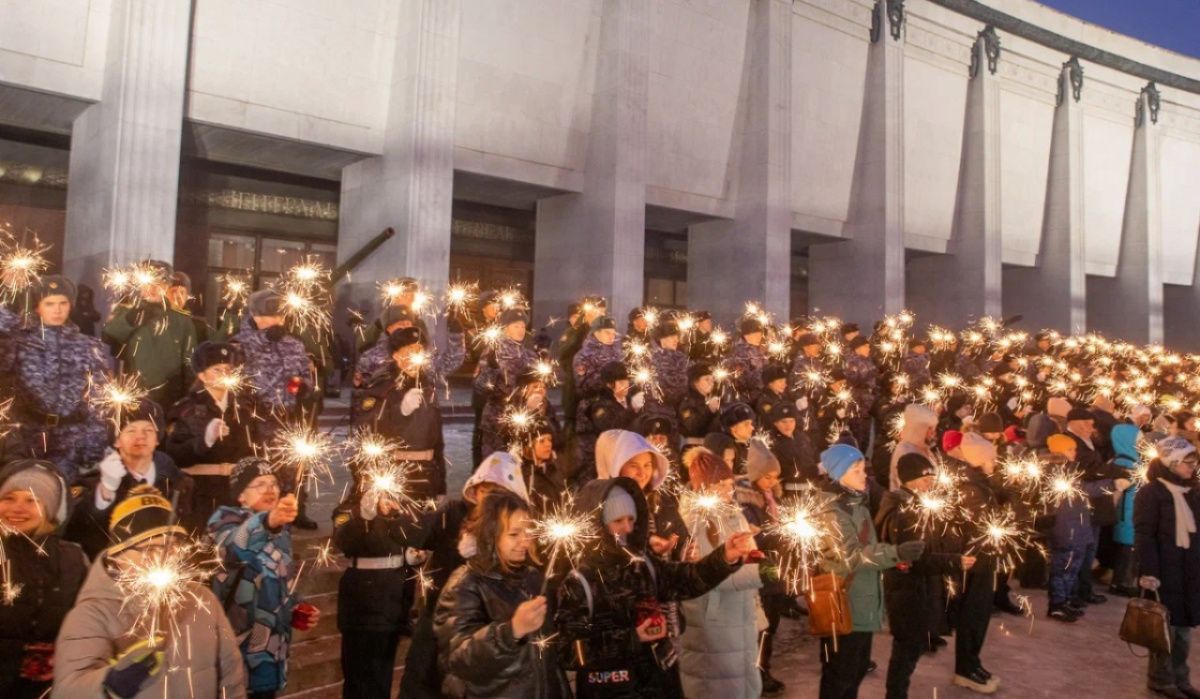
(477, 652)
(620, 579)
(1177, 568)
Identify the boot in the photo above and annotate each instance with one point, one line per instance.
(302, 520)
(771, 687)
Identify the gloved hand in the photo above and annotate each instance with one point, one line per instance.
(215, 430)
(133, 667)
(112, 471)
(768, 573)
(412, 400)
(910, 550)
(638, 402)
(305, 616)
(415, 557)
(801, 404)
(1149, 582)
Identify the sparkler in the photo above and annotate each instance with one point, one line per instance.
(368, 449)
(20, 266)
(702, 507)
(390, 481)
(161, 581)
(489, 338)
(459, 296)
(1061, 485)
(805, 535)
(9, 589)
(235, 289)
(302, 309)
(307, 275)
(718, 337)
(511, 298)
(566, 533)
(544, 369)
(132, 281)
(117, 395)
(1003, 538)
(304, 449)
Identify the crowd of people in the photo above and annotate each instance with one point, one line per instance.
(644, 538)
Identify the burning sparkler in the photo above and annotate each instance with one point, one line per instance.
(20, 266)
(117, 395)
(805, 535)
(134, 281)
(235, 289)
(1003, 538)
(306, 450)
(565, 533)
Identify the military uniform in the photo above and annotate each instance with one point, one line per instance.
(916, 367)
(569, 345)
(156, 343)
(696, 420)
(51, 370)
(499, 381)
(399, 407)
(278, 369)
(862, 376)
(670, 373)
(210, 465)
(807, 397)
(375, 594)
(596, 415)
(746, 363)
(587, 365)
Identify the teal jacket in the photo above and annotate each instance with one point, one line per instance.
(858, 553)
(1124, 442)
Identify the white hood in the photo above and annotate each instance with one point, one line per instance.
(615, 447)
(501, 468)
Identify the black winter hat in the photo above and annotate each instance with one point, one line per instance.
(666, 329)
(403, 337)
(639, 312)
(848, 328)
(750, 325)
(603, 323)
(773, 372)
(145, 409)
(245, 471)
(513, 315)
(734, 413)
(394, 314)
(647, 425)
(143, 514)
(53, 285)
(613, 371)
(208, 354)
(1080, 414)
(779, 411)
(698, 371)
(807, 339)
(912, 466)
(990, 423)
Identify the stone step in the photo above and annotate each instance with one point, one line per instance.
(315, 669)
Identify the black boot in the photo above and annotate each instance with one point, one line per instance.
(771, 687)
(302, 520)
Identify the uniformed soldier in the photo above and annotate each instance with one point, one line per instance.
(400, 404)
(154, 341)
(600, 349)
(862, 377)
(737, 422)
(178, 294)
(806, 392)
(746, 360)
(605, 410)
(701, 348)
(408, 288)
(489, 312)
(774, 393)
(378, 356)
(211, 429)
(500, 379)
(699, 411)
(791, 445)
(579, 327)
(670, 372)
(277, 364)
(916, 365)
(638, 329)
(51, 368)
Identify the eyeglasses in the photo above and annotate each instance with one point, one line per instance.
(273, 485)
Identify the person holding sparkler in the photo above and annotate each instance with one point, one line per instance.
(493, 621)
(639, 328)
(1168, 552)
(546, 483)
(913, 593)
(610, 609)
(144, 625)
(607, 409)
(402, 291)
(862, 378)
(759, 495)
(792, 448)
(861, 559)
(775, 391)
(916, 434)
(40, 575)
(506, 363)
(808, 376)
(599, 350)
(149, 338)
(179, 294)
(449, 547)
(699, 410)
(737, 422)
(916, 364)
(212, 428)
(580, 317)
(53, 368)
(401, 405)
(378, 356)
(134, 460)
(670, 373)
(747, 359)
(254, 542)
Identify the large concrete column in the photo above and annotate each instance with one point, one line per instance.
(1181, 308)
(749, 258)
(594, 241)
(124, 163)
(964, 284)
(411, 186)
(1130, 306)
(862, 278)
(1054, 293)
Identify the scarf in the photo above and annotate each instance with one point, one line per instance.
(1185, 520)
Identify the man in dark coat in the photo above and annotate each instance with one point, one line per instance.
(579, 328)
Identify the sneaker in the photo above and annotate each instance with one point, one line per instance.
(771, 687)
(1063, 613)
(976, 682)
(1078, 608)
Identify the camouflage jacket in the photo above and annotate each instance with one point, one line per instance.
(746, 363)
(670, 373)
(863, 378)
(377, 358)
(916, 366)
(588, 363)
(271, 366)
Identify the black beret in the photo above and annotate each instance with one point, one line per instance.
(912, 466)
(698, 371)
(603, 323)
(403, 337)
(209, 354)
(750, 325)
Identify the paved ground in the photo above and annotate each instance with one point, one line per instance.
(1047, 659)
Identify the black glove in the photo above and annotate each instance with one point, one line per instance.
(910, 550)
(132, 668)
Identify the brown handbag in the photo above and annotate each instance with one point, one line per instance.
(1146, 624)
(829, 605)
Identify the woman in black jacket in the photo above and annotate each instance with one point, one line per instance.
(45, 574)
(1168, 550)
(491, 620)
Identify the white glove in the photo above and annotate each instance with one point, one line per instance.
(1012, 404)
(713, 403)
(216, 429)
(412, 400)
(415, 557)
(841, 413)
(368, 506)
(638, 402)
(112, 471)
(801, 404)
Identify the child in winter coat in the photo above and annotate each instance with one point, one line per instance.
(491, 617)
(1072, 533)
(720, 639)
(255, 543)
(758, 494)
(611, 605)
(1123, 439)
(857, 553)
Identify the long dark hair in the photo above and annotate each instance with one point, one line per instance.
(487, 523)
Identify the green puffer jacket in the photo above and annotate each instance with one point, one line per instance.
(858, 553)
